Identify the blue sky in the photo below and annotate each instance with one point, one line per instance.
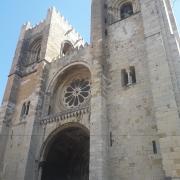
(14, 13)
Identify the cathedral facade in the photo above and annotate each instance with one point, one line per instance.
(108, 110)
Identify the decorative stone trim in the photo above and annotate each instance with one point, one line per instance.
(64, 115)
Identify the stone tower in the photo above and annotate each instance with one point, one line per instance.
(108, 110)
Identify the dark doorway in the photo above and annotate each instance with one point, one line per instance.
(68, 156)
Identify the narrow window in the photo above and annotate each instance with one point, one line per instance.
(105, 20)
(111, 140)
(126, 10)
(106, 32)
(132, 74)
(154, 147)
(23, 110)
(49, 110)
(105, 6)
(27, 108)
(124, 77)
(38, 54)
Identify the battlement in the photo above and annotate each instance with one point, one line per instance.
(74, 52)
(38, 25)
(28, 26)
(53, 15)
(56, 15)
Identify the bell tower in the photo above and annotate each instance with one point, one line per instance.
(22, 104)
(141, 46)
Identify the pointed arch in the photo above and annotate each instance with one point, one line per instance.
(65, 153)
(35, 50)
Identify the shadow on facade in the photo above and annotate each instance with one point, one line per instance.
(67, 157)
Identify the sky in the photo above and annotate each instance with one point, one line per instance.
(14, 13)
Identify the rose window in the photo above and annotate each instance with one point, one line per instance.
(77, 93)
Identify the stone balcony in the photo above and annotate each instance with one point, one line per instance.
(65, 115)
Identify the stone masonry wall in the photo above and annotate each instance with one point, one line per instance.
(130, 109)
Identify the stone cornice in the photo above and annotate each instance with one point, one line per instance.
(64, 115)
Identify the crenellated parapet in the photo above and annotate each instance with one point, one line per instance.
(74, 52)
(38, 26)
(69, 29)
(54, 15)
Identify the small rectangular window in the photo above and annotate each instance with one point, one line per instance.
(132, 74)
(25, 109)
(124, 77)
(154, 147)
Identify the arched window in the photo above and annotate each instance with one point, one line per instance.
(126, 10)
(35, 49)
(67, 47)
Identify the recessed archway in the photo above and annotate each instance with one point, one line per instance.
(67, 156)
(72, 89)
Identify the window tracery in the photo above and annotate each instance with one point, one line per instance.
(34, 50)
(76, 93)
(72, 89)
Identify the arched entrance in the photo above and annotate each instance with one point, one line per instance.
(67, 156)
